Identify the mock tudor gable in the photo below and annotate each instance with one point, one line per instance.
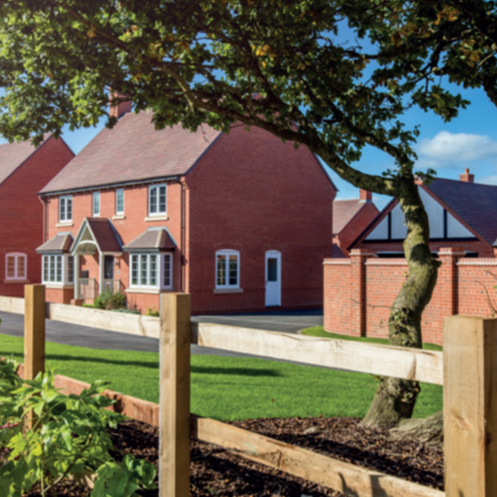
(460, 213)
(240, 220)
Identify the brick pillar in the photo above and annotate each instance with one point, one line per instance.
(447, 279)
(358, 290)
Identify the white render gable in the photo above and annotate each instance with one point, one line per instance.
(442, 223)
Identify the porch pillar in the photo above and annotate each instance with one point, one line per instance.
(101, 272)
(76, 276)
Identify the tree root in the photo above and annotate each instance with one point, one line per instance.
(428, 430)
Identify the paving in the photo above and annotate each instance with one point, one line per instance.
(84, 336)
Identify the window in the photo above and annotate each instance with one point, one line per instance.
(65, 208)
(96, 203)
(151, 271)
(58, 269)
(16, 266)
(120, 201)
(227, 269)
(156, 200)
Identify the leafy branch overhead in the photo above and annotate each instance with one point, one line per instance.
(302, 70)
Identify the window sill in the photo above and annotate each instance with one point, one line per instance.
(142, 290)
(228, 290)
(164, 217)
(15, 281)
(119, 216)
(64, 224)
(57, 286)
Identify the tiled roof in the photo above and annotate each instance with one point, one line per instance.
(474, 203)
(343, 212)
(153, 239)
(103, 233)
(133, 151)
(337, 252)
(12, 155)
(59, 243)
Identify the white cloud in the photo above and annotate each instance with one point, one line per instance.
(488, 180)
(460, 147)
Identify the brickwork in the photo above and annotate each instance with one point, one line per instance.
(249, 192)
(464, 286)
(355, 227)
(21, 225)
(252, 193)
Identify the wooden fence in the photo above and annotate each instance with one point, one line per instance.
(467, 368)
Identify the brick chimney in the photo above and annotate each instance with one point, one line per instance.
(365, 196)
(469, 178)
(120, 109)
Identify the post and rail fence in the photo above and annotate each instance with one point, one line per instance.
(467, 368)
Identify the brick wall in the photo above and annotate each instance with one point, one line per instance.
(464, 286)
(21, 225)
(252, 193)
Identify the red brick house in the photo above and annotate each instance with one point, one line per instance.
(242, 221)
(350, 219)
(359, 291)
(24, 170)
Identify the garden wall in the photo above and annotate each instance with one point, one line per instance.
(359, 292)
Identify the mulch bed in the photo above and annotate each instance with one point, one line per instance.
(217, 472)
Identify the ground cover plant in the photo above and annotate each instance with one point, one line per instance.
(227, 388)
(48, 437)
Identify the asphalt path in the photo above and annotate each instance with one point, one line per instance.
(84, 336)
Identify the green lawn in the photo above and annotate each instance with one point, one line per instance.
(318, 331)
(228, 388)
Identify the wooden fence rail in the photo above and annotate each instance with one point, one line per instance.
(470, 411)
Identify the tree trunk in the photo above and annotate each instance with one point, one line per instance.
(396, 398)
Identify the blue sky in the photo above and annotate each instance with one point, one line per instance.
(469, 141)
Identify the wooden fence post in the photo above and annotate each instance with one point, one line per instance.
(174, 409)
(470, 406)
(34, 330)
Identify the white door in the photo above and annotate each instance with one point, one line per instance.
(273, 278)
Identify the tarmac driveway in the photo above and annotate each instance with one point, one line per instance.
(83, 336)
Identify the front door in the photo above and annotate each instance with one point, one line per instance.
(108, 267)
(273, 278)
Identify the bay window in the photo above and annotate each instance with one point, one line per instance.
(58, 269)
(152, 271)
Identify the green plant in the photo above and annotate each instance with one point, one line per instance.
(152, 311)
(66, 437)
(110, 300)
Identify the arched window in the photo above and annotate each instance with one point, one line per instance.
(16, 266)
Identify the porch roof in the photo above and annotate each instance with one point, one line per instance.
(152, 240)
(60, 243)
(98, 232)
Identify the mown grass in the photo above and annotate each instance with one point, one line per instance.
(227, 388)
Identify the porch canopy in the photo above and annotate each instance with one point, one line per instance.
(95, 235)
(151, 240)
(59, 244)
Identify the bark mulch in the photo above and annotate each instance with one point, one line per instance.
(217, 472)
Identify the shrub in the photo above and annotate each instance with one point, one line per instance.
(110, 300)
(69, 438)
(152, 311)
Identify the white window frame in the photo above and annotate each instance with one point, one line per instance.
(17, 257)
(159, 270)
(226, 254)
(95, 202)
(64, 202)
(158, 212)
(50, 266)
(119, 212)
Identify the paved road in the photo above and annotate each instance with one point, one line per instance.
(84, 336)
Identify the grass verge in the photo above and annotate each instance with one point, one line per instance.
(227, 388)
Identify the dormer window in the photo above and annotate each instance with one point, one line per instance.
(65, 208)
(157, 200)
(96, 204)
